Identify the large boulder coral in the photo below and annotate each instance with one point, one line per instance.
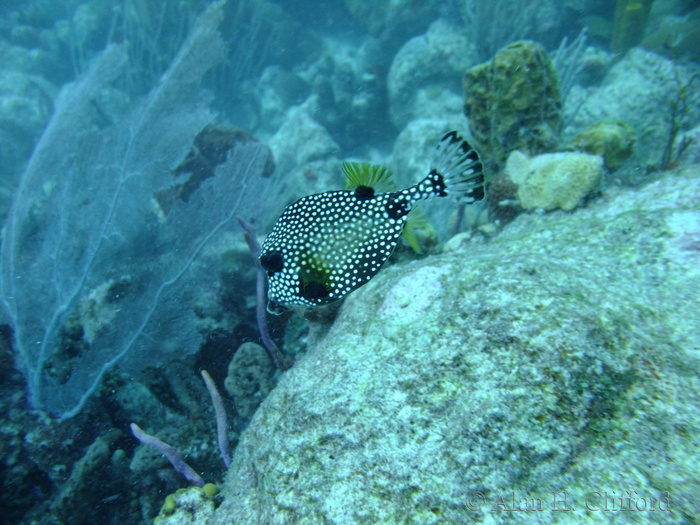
(557, 361)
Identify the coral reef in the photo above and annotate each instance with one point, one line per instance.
(513, 103)
(25, 107)
(25, 110)
(494, 24)
(502, 199)
(210, 149)
(676, 37)
(348, 93)
(279, 90)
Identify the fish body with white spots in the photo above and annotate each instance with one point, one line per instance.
(326, 245)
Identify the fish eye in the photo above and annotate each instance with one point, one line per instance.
(272, 262)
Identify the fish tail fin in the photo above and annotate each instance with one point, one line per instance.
(458, 169)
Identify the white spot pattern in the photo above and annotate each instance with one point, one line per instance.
(332, 243)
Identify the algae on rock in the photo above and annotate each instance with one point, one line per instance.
(614, 141)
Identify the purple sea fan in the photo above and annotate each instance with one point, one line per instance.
(94, 273)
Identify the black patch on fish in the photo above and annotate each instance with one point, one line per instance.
(314, 290)
(364, 192)
(477, 193)
(438, 183)
(452, 137)
(397, 209)
(470, 154)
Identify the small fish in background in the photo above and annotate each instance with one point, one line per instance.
(326, 245)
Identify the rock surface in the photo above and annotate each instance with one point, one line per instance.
(423, 80)
(556, 361)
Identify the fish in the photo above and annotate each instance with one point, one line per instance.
(329, 244)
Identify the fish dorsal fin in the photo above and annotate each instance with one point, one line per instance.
(364, 174)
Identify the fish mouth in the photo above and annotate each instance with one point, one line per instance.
(276, 308)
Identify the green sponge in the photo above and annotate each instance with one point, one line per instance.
(513, 103)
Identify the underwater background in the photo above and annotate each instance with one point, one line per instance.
(530, 359)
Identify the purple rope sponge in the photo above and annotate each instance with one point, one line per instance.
(169, 452)
(221, 423)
